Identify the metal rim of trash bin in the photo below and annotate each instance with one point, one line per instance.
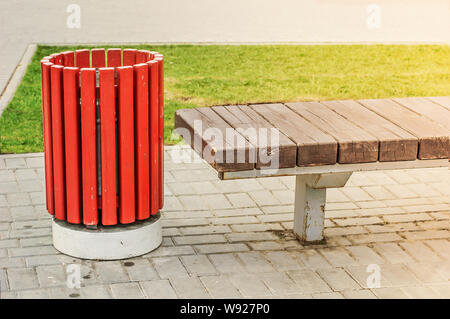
(103, 127)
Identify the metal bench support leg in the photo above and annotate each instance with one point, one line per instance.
(310, 198)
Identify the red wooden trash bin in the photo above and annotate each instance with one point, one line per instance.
(103, 127)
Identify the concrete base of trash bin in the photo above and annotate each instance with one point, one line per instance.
(107, 243)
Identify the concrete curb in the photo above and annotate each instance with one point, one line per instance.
(16, 77)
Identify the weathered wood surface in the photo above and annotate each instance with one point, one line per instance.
(433, 139)
(318, 133)
(424, 107)
(314, 147)
(396, 144)
(273, 148)
(355, 144)
(214, 140)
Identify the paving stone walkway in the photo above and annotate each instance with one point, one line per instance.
(226, 239)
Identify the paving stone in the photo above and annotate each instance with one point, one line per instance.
(312, 259)
(95, 292)
(279, 283)
(356, 193)
(220, 248)
(339, 231)
(424, 190)
(111, 271)
(240, 200)
(340, 206)
(234, 220)
(374, 238)
(266, 245)
(283, 261)
(199, 239)
(426, 234)
(189, 288)
(198, 265)
(32, 251)
(260, 236)
(140, 270)
(37, 161)
(8, 187)
(171, 251)
(256, 227)
(8, 262)
(336, 195)
(276, 218)
(420, 292)
(169, 267)
(255, 262)
(213, 229)
(250, 286)
(358, 221)
(440, 246)
(227, 263)
(390, 293)
(365, 255)
(16, 162)
(158, 289)
(220, 287)
(338, 257)
(308, 281)
(279, 209)
(443, 290)
(337, 279)
(33, 294)
(237, 212)
(22, 278)
(401, 191)
(378, 192)
(358, 294)
(36, 241)
(425, 272)
(403, 218)
(284, 196)
(398, 275)
(392, 253)
(40, 260)
(420, 252)
(184, 222)
(126, 290)
(51, 275)
(328, 295)
(264, 198)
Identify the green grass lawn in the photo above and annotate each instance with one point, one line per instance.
(215, 75)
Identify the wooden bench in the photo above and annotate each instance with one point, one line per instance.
(321, 143)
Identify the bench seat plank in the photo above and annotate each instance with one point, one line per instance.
(213, 139)
(279, 153)
(433, 111)
(396, 144)
(355, 144)
(314, 147)
(434, 142)
(441, 100)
